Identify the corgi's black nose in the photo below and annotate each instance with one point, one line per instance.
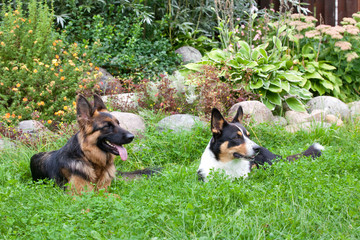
(256, 148)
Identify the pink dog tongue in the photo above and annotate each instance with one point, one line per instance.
(122, 152)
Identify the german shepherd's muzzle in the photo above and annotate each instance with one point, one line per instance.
(86, 161)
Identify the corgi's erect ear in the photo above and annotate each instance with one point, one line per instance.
(217, 122)
(83, 110)
(99, 104)
(239, 115)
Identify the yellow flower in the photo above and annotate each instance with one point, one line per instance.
(74, 104)
(65, 108)
(91, 64)
(14, 89)
(47, 66)
(15, 68)
(80, 86)
(65, 98)
(19, 117)
(61, 70)
(2, 44)
(57, 56)
(16, 12)
(35, 71)
(49, 121)
(30, 31)
(18, 85)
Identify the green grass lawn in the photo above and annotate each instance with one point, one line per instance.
(308, 199)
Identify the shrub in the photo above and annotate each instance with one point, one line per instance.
(123, 48)
(197, 93)
(40, 75)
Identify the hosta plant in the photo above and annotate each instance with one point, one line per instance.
(267, 72)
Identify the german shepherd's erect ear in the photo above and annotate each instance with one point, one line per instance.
(99, 104)
(84, 111)
(239, 115)
(217, 122)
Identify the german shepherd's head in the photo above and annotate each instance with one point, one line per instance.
(100, 133)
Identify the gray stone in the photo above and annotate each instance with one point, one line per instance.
(332, 119)
(104, 79)
(254, 111)
(293, 117)
(6, 144)
(278, 120)
(178, 122)
(330, 105)
(125, 100)
(31, 126)
(189, 54)
(306, 126)
(317, 115)
(131, 122)
(354, 108)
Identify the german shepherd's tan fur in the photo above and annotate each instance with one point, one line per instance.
(86, 161)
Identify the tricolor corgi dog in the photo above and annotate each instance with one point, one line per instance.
(231, 149)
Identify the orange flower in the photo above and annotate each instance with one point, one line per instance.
(54, 44)
(19, 117)
(80, 86)
(13, 115)
(30, 31)
(2, 44)
(49, 121)
(62, 78)
(61, 70)
(65, 98)
(74, 104)
(25, 99)
(57, 56)
(18, 85)
(7, 115)
(56, 74)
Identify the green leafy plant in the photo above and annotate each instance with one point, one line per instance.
(265, 72)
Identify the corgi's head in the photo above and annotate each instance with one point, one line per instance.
(230, 139)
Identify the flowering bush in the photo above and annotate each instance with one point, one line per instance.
(39, 74)
(329, 55)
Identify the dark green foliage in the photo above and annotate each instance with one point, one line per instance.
(118, 41)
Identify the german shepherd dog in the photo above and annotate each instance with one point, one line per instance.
(231, 149)
(86, 161)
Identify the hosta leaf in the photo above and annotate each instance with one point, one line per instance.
(295, 104)
(285, 85)
(267, 67)
(195, 67)
(218, 55)
(273, 97)
(275, 89)
(277, 43)
(314, 75)
(326, 66)
(318, 87)
(255, 54)
(244, 49)
(300, 92)
(268, 104)
(256, 85)
(291, 76)
(327, 84)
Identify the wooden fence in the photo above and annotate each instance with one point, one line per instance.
(331, 11)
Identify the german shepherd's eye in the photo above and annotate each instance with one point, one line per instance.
(108, 126)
